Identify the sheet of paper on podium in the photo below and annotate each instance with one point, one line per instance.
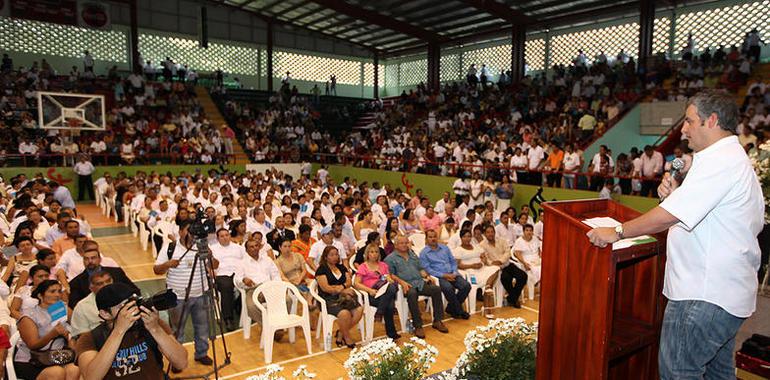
(612, 223)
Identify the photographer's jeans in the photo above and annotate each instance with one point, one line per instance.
(198, 309)
(696, 341)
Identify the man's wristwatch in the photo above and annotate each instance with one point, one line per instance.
(619, 231)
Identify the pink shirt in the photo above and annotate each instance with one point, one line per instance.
(430, 223)
(369, 277)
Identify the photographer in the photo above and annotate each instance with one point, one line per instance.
(177, 265)
(120, 348)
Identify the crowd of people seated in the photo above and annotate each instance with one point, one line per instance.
(146, 119)
(333, 242)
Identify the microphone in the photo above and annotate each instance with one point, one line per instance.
(676, 167)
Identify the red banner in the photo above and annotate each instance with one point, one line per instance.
(53, 11)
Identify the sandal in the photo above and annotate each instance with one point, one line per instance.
(340, 342)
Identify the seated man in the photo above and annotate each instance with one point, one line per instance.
(85, 316)
(92, 260)
(71, 262)
(438, 261)
(254, 270)
(230, 257)
(405, 268)
(120, 348)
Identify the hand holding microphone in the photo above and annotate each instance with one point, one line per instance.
(670, 181)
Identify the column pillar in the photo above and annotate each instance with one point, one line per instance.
(375, 86)
(434, 64)
(518, 38)
(270, 56)
(133, 38)
(646, 27)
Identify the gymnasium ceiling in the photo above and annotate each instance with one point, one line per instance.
(396, 27)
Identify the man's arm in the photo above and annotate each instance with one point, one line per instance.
(654, 221)
(95, 364)
(168, 345)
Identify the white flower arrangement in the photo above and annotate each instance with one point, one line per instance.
(272, 373)
(384, 359)
(508, 339)
(760, 158)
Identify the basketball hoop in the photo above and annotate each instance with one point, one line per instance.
(74, 123)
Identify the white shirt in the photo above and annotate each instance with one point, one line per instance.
(261, 270)
(230, 258)
(571, 161)
(506, 232)
(84, 168)
(318, 248)
(712, 253)
(72, 263)
(535, 155)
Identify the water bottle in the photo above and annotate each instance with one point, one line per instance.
(409, 326)
(328, 341)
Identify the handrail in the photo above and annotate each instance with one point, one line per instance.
(663, 136)
(109, 158)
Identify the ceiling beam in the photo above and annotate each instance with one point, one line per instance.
(449, 27)
(350, 28)
(344, 20)
(576, 15)
(382, 39)
(304, 14)
(269, 19)
(420, 18)
(500, 10)
(370, 32)
(297, 6)
(245, 3)
(269, 6)
(375, 18)
(450, 17)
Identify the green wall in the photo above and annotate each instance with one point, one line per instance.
(435, 186)
(621, 137)
(67, 176)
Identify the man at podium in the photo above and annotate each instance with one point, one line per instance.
(713, 218)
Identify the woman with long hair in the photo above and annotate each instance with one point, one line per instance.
(372, 275)
(238, 231)
(364, 225)
(39, 333)
(334, 286)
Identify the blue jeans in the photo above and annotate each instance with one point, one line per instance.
(455, 299)
(199, 310)
(696, 341)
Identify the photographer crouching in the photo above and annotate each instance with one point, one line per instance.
(123, 348)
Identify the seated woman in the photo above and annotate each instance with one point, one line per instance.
(292, 267)
(334, 287)
(20, 263)
(409, 223)
(391, 231)
(22, 300)
(527, 249)
(372, 238)
(364, 225)
(373, 274)
(448, 229)
(470, 262)
(38, 333)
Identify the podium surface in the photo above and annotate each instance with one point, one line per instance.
(600, 310)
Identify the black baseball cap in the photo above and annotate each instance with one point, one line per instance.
(112, 294)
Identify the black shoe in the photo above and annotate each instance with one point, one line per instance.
(516, 304)
(175, 370)
(465, 315)
(205, 360)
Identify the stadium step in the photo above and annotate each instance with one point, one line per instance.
(212, 112)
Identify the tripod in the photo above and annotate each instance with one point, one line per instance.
(203, 258)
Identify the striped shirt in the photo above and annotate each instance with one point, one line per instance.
(178, 278)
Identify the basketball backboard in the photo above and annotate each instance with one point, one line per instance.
(59, 110)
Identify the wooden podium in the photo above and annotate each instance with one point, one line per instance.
(600, 310)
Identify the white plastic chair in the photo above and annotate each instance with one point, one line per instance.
(326, 320)
(499, 292)
(360, 244)
(402, 307)
(10, 372)
(530, 284)
(144, 235)
(246, 321)
(275, 316)
(418, 242)
(98, 196)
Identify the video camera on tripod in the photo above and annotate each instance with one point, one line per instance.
(202, 227)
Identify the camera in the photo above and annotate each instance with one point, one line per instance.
(160, 301)
(202, 227)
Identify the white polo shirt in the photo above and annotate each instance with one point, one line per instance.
(230, 258)
(712, 253)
